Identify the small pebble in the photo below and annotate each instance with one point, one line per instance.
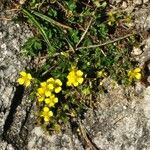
(136, 51)
(3, 46)
(124, 5)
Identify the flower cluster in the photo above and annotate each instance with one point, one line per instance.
(111, 18)
(134, 74)
(46, 95)
(75, 77)
(48, 88)
(25, 79)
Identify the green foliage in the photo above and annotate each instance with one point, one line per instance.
(32, 46)
(69, 33)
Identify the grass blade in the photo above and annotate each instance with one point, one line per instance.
(48, 19)
(36, 24)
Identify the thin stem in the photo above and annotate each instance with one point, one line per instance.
(83, 35)
(106, 43)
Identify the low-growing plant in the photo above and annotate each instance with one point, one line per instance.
(76, 43)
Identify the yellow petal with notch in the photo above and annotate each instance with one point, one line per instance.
(21, 81)
(57, 90)
(137, 70)
(47, 93)
(22, 73)
(27, 83)
(79, 73)
(46, 118)
(58, 82)
(50, 113)
(75, 83)
(29, 76)
(68, 83)
(138, 76)
(80, 80)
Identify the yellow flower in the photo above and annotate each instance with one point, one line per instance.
(46, 88)
(111, 18)
(46, 114)
(75, 77)
(25, 79)
(134, 74)
(56, 84)
(51, 101)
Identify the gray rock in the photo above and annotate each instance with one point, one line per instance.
(12, 36)
(142, 19)
(137, 2)
(146, 103)
(145, 56)
(1, 5)
(145, 1)
(120, 123)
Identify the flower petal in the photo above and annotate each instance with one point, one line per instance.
(75, 83)
(137, 70)
(22, 73)
(47, 93)
(50, 86)
(58, 82)
(21, 81)
(57, 90)
(40, 99)
(27, 83)
(41, 91)
(50, 113)
(129, 73)
(47, 100)
(43, 84)
(51, 80)
(79, 73)
(138, 76)
(51, 104)
(46, 109)
(80, 80)
(46, 118)
(68, 83)
(29, 76)
(56, 100)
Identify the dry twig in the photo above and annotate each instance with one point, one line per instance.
(83, 35)
(106, 43)
(85, 137)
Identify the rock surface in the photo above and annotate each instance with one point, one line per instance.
(120, 122)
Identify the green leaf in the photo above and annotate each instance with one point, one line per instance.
(32, 46)
(37, 45)
(71, 5)
(73, 35)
